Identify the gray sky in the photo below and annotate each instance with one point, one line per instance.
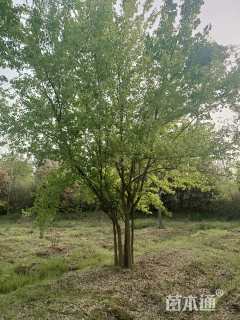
(224, 15)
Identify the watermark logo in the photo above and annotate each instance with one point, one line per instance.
(205, 302)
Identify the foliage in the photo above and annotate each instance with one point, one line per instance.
(77, 198)
(10, 32)
(43, 169)
(47, 199)
(4, 181)
(226, 204)
(16, 182)
(185, 174)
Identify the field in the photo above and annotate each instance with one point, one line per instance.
(69, 274)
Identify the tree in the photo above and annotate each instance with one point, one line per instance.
(3, 191)
(19, 181)
(47, 199)
(116, 93)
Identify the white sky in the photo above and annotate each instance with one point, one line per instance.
(224, 15)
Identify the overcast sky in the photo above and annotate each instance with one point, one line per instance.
(224, 15)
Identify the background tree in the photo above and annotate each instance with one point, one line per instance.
(3, 191)
(47, 199)
(116, 95)
(20, 182)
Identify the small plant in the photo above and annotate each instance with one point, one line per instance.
(54, 238)
(47, 200)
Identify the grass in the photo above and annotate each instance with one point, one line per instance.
(69, 273)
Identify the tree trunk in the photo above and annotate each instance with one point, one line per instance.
(117, 241)
(127, 244)
(41, 234)
(159, 219)
(123, 255)
(120, 247)
(132, 236)
(116, 261)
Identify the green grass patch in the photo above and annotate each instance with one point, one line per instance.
(35, 275)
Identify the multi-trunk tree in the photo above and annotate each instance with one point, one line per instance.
(116, 91)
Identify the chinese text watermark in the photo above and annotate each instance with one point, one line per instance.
(204, 302)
